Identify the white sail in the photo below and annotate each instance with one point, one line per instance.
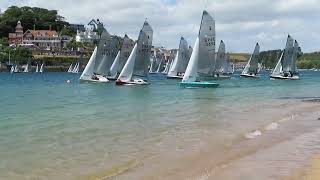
(125, 52)
(26, 68)
(160, 65)
(220, 59)
(127, 71)
(278, 69)
(192, 69)
(252, 66)
(16, 69)
(70, 68)
(207, 38)
(76, 68)
(37, 68)
(88, 71)
(173, 71)
(167, 67)
(12, 69)
(153, 65)
(41, 68)
(115, 66)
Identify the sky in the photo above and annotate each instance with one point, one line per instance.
(239, 23)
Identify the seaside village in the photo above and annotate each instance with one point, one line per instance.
(104, 57)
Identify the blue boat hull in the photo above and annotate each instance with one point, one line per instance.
(198, 85)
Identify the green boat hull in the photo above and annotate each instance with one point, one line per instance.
(198, 85)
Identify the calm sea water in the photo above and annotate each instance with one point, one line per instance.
(51, 129)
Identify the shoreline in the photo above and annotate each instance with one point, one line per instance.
(237, 157)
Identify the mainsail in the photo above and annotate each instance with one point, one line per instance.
(125, 51)
(106, 53)
(143, 51)
(288, 55)
(192, 69)
(296, 50)
(139, 59)
(115, 66)
(220, 59)
(207, 38)
(252, 66)
(69, 70)
(181, 60)
(88, 71)
(41, 68)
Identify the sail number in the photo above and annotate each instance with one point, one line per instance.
(209, 41)
(145, 48)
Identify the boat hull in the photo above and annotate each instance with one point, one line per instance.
(285, 78)
(134, 82)
(250, 76)
(100, 79)
(198, 85)
(174, 77)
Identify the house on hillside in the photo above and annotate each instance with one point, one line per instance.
(40, 39)
(16, 37)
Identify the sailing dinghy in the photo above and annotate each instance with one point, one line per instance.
(286, 67)
(252, 68)
(202, 57)
(221, 66)
(135, 71)
(70, 68)
(180, 62)
(37, 68)
(97, 66)
(87, 74)
(41, 68)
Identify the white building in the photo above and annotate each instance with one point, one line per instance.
(87, 36)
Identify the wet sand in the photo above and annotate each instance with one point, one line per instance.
(280, 149)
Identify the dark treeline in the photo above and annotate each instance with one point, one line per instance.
(31, 17)
(270, 58)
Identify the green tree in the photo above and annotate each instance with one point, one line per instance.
(30, 16)
(67, 30)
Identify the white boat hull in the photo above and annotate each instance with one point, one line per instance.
(133, 82)
(250, 75)
(100, 79)
(285, 78)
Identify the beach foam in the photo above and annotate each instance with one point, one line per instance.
(271, 126)
(253, 134)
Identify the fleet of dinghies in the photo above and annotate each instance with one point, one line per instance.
(197, 67)
(27, 68)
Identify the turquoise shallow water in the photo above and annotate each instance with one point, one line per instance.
(49, 128)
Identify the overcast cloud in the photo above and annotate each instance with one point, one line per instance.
(240, 23)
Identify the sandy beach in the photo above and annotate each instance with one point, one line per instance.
(280, 150)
